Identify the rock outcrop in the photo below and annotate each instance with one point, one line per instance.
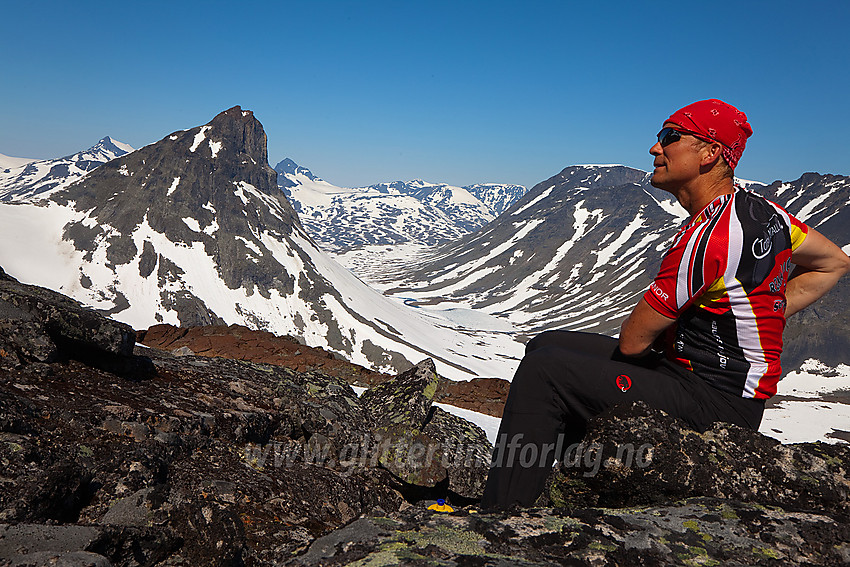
(484, 395)
(636, 456)
(696, 531)
(39, 325)
(422, 444)
(124, 457)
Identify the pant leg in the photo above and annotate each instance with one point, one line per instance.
(554, 392)
(589, 343)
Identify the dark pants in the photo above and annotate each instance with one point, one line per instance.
(565, 379)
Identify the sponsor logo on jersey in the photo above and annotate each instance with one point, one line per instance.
(763, 246)
(624, 382)
(661, 294)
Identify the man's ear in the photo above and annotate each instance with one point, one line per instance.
(711, 153)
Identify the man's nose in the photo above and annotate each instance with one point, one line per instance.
(656, 149)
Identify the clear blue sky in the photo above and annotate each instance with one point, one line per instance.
(460, 92)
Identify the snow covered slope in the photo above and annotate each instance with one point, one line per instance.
(8, 162)
(574, 252)
(194, 230)
(38, 179)
(386, 214)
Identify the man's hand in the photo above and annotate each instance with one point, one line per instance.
(642, 327)
(820, 264)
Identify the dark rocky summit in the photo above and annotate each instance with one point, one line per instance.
(120, 457)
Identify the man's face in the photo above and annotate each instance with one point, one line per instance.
(677, 163)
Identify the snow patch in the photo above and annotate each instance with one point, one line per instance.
(240, 191)
(805, 421)
(814, 379)
(215, 147)
(199, 137)
(250, 245)
(212, 227)
(783, 188)
(173, 186)
(537, 199)
(8, 162)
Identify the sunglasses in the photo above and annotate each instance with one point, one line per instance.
(669, 136)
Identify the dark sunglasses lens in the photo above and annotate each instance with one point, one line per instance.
(667, 136)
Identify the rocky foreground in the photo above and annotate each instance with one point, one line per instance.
(115, 454)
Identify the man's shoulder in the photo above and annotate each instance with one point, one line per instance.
(751, 201)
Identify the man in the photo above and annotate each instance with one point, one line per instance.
(716, 310)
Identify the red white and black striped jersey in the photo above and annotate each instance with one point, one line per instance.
(723, 280)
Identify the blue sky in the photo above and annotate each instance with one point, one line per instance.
(459, 92)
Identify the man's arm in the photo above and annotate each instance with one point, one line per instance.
(820, 264)
(641, 328)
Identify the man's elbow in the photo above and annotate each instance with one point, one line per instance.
(844, 267)
(633, 348)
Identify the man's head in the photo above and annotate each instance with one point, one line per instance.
(705, 138)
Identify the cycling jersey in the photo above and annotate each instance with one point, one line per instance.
(723, 280)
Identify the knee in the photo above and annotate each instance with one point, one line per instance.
(543, 366)
(548, 338)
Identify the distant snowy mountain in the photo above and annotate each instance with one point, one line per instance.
(194, 230)
(8, 162)
(38, 179)
(387, 214)
(290, 174)
(497, 196)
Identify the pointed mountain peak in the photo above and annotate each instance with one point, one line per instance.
(234, 129)
(109, 145)
(290, 168)
(234, 113)
(221, 165)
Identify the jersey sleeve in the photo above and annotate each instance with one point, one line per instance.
(690, 267)
(799, 231)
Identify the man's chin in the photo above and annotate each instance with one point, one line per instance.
(656, 181)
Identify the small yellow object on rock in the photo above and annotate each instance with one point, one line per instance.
(441, 506)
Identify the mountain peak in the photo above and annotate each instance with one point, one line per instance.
(40, 178)
(233, 128)
(110, 145)
(197, 171)
(290, 170)
(233, 113)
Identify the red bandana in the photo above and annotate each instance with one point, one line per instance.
(718, 121)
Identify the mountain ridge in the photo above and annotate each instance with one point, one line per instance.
(38, 179)
(390, 213)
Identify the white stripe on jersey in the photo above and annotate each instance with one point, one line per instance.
(745, 320)
(683, 276)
